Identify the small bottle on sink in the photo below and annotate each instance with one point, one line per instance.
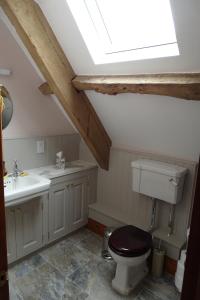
(60, 160)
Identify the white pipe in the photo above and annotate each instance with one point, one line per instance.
(5, 72)
(171, 219)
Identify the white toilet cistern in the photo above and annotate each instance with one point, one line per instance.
(130, 246)
(159, 181)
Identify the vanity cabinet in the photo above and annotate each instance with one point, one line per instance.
(29, 231)
(24, 226)
(10, 234)
(41, 220)
(59, 201)
(68, 206)
(78, 203)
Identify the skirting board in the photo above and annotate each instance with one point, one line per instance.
(170, 264)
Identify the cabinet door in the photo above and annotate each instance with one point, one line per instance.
(29, 229)
(78, 205)
(10, 235)
(58, 202)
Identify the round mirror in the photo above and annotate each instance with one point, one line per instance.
(7, 107)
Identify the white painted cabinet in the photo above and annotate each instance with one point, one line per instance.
(29, 231)
(40, 221)
(59, 201)
(24, 226)
(67, 207)
(10, 234)
(78, 203)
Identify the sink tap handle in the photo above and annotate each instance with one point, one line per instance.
(16, 170)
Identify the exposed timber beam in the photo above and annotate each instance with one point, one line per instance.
(38, 37)
(45, 89)
(179, 85)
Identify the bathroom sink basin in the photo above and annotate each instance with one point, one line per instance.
(24, 186)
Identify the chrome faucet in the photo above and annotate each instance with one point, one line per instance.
(16, 170)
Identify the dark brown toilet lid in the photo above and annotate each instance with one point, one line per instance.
(130, 241)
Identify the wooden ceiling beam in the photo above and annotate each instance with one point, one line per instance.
(38, 37)
(179, 85)
(45, 89)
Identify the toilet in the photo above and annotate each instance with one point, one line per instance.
(130, 247)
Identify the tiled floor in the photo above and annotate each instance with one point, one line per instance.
(74, 270)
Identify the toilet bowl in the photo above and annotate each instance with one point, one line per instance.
(130, 247)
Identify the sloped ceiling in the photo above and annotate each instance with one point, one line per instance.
(187, 24)
(34, 114)
(151, 123)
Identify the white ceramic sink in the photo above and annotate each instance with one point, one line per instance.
(24, 186)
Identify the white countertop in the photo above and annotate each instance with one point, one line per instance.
(37, 181)
(51, 172)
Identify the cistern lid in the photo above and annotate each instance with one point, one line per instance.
(159, 167)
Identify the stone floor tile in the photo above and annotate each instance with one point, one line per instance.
(25, 267)
(79, 235)
(92, 243)
(73, 269)
(73, 292)
(43, 283)
(66, 257)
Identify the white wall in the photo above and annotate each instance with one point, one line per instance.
(151, 123)
(34, 114)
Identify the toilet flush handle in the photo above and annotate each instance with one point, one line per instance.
(175, 183)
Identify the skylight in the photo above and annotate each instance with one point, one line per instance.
(125, 30)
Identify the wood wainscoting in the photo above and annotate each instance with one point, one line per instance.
(170, 264)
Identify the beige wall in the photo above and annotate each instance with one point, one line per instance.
(34, 114)
(24, 150)
(117, 203)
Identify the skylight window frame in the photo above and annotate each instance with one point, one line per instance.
(99, 43)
